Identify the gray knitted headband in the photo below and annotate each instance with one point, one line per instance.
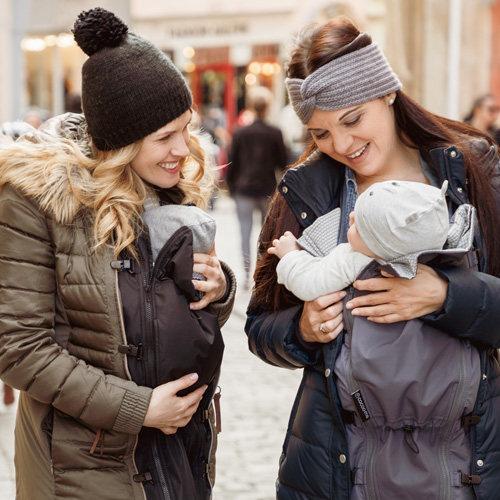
(349, 80)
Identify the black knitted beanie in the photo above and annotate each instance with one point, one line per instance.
(130, 88)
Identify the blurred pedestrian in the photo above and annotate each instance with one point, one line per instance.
(369, 420)
(257, 154)
(484, 114)
(213, 122)
(295, 134)
(35, 116)
(100, 337)
(8, 395)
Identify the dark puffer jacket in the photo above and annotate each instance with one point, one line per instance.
(257, 153)
(166, 340)
(315, 460)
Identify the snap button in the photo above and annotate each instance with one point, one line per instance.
(327, 372)
(485, 376)
(459, 189)
(342, 459)
(453, 154)
(303, 215)
(285, 189)
(480, 463)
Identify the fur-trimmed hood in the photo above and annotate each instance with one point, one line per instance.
(51, 165)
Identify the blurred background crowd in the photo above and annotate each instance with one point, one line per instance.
(443, 52)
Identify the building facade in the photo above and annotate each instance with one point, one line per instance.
(40, 64)
(442, 50)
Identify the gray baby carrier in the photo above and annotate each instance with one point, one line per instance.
(406, 391)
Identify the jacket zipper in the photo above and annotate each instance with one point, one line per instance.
(151, 373)
(159, 470)
(456, 407)
(150, 378)
(127, 371)
(368, 424)
(370, 446)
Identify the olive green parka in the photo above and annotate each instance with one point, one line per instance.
(60, 328)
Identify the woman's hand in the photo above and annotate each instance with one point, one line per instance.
(167, 411)
(398, 299)
(321, 319)
(214, 287)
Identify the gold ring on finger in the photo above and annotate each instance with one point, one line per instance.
(322, 328)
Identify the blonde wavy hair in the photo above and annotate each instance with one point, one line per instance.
(69, 179)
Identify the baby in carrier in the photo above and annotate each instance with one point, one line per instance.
(392, 222)
(406, 389)
(175, 230)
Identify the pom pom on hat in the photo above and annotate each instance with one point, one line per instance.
(130, 88)
(98, 28)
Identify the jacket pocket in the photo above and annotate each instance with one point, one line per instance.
(72, 443)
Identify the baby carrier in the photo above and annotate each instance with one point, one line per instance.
(407, 391)
(167, 340)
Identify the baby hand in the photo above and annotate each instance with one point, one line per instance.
(287, 243)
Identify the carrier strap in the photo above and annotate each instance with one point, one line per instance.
(218, 419)
(206, 413)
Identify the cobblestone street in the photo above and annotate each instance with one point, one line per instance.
(7, 418)
(256, 398)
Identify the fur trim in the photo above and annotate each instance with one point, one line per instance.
(46, 166)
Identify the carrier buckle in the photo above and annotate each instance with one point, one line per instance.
(144, 477)
(131, 350)
(120, 265)
(470, 420)
(470, 479)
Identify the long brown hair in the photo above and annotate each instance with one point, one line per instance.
(316, 45)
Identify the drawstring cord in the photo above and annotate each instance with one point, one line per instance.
(96, 441)
(409, 439)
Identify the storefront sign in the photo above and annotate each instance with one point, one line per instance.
(269, 28)
(212, 30)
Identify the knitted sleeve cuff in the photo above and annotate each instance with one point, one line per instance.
(224, 307)
(132, 413)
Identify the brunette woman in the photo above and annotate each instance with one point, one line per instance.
(365, 129)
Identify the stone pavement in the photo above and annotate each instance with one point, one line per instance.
(256, 397)
(255, 404)
(7, 419)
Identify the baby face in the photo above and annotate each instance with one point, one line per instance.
(357, 244)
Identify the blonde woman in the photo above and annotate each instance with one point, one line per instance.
(102, 342)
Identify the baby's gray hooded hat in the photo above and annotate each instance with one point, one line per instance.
(164, 221)
(396, 218)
